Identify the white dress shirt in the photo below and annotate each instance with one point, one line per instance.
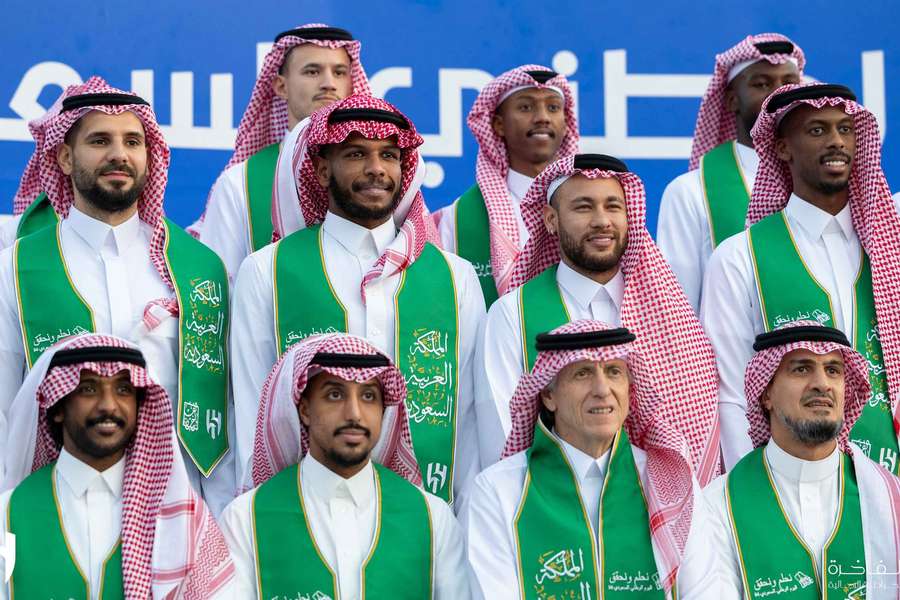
(112, 271)
(808, 491)
(498, 364)
(350, 250)
(682, 231)
(91, 506)
(730, 311)
(341, 515)
(516, 183)
(488, 518)
(226, 226)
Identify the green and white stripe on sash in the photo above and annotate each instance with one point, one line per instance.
(45, 566)
(775, 562)
(789, 292)
(38, 215)
(259, 178)
(725, 192)
(426, 339)
(541, 309)
(473, 239)
(289, 563)
(555, 541)
(50, 309)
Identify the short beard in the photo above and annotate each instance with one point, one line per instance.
(575, 252)
(343, 198)
(79, 436)
(114, 201)
(812, 432)
(832, 188)
(352, 456)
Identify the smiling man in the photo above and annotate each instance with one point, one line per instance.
(338, 509)
(308, 67)
(362, 264)
(590, 256)
(806, 514)
(590, 464)
(822, 245)
(522, 120)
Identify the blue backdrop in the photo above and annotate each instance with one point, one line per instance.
(640, 69)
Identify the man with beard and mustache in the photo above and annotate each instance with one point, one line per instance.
(701, 208)
(95, 490)
(806, 514)
(101, 257)
(338, 504)
(822, 244)
(307, 68)
(522, 120)
(590, 256)
(354, 255)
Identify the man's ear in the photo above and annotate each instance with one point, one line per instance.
(497, 125)
(782, 151)
(731, 99)
(547, 400)
(766, 400)
(551, 219)
(279, 86)
(303, 411)
(64, 158)
(323, 170)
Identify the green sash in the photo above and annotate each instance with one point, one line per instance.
(724, 191)
(290, 565)
(555, 540)
(541, 309)
(788, 292)
(473, 239)
(259, 177)
(201, 288)
(45, 567)
(38, 215)
(775, 562)
(426, 333)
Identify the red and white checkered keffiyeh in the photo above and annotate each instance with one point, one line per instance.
(58, 185)
(411, 217)
(654, 308)
(171, 545)
(30, 184)
(281, 438)
(715, 123)
(871, 207)
(265, 120)
(670, 498)
(492, 164)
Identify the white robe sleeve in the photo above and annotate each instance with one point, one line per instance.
(253, 351)
(12, 354)
(499, 366)
(8, 230)
(682, 233)
(236, 524)
(700, 575)
(226, 228)
(450, 580)
(731, 320)
(721, 541)
(446, 219)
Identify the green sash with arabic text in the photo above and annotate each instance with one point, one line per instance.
(473, 239)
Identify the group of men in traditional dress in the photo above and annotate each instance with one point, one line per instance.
(521, 396)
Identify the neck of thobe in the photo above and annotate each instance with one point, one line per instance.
(585, 298)
(589, 472)
(518, 185)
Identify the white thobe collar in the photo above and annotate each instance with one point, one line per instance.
(816, 221)
(101, 236)
(585, 465)
(356, 238)
(585, 290)
(748, 159)
(798, 470)
(326, 484)
(518, 184)
(80, 476)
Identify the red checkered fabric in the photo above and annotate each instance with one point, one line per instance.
(670, 497)
(30, 184)
(761, 370)
(715, 123)
(654, 307)
(58, 185)
(281, 438)
(265, 121)
(412, 218)
(871, 207)
(170, 542)
(492, 164)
